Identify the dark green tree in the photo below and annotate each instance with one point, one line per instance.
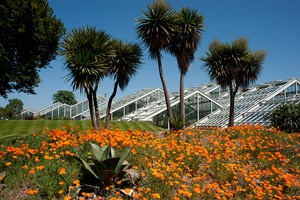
(124, 65)
(88, 54)
(14, 109)
(155, 29)
(233, 66)
(189, 28)
(2, 113)
(64, 96)
(286, 117)
(29, 38)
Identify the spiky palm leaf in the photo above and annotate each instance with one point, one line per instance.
(87, 53)
(184, 43)
(125, 62)
(155, 29)
(189, 28)
(233, 66)
(124, 66)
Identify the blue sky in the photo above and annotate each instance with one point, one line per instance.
(271, 25)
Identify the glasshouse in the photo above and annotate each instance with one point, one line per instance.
(206, 105)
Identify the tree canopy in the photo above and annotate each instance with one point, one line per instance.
(29, 38)
(87, 53)
(64, 96)
(233, 65)
(13, 109)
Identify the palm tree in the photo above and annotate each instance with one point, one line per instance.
(87, 53)
(124, 65)
(233, 66)
(189, 28)
(155, 29)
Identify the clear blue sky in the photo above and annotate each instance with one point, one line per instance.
(271, 25)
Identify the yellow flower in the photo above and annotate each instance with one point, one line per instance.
(60, 192)
(197, 190)
(8, 164)
(32, 171)
(119, 182)
(68, 198)
(62, 171)
(61, 183)
(76, 182)
(155, 195)
(24, 166)
(41, 167)
(31, 192)
(127, 190)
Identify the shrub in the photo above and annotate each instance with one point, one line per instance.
(287, 118)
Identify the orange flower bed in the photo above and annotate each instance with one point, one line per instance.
(242, 162)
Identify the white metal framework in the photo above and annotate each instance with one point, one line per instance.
(205, 105)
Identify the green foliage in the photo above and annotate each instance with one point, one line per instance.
(13, 109)
(87, 52)
(2, 113)
(286, 118)
(177, 123)
(234, 66)
(64, 96)
(29, 37)
(125, 64)
(104, 169)
(155, 30)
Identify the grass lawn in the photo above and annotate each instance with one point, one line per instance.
(21, 127)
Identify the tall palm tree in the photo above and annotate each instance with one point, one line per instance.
(189, 28)
(233, 66)
(155, 29)
(124, 65)
(87, 53)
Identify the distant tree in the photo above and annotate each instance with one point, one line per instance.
(155, 29)
(125, 64)
(184, 43)
(88, 54)
(64, 96)
(2, 113)
(29, 37)
(233, 66)
(14, 109)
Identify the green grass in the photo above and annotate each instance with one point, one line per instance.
(21, 127)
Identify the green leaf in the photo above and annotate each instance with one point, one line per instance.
(97, 151)
(122, 159)
(99, 165)
(86, 165)
(111, 163)
(109, 152)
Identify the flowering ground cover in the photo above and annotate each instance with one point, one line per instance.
(242, 162)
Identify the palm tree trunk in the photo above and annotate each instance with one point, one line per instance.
(181, 104)
(161, 74)
(231, 111)
(96, 107)
(232, 92)
(107, 119)
(89, 96)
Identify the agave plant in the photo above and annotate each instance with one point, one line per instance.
(104, 169)
(177, 123)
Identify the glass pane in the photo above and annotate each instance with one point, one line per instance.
(118, 114)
